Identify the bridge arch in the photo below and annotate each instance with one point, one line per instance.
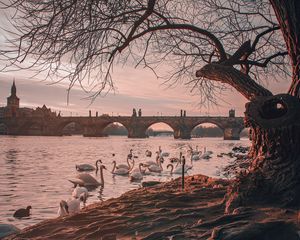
(208, 121)
(206, 129)
(159, 128)
(114, 128)
(72, 128)
(61, 127)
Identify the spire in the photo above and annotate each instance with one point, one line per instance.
(13, 89)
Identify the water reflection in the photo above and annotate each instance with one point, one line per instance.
(100, 193)
(11, 156)
(37, 174)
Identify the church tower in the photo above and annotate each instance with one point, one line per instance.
(13, 102)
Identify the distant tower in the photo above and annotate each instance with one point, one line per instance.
(232, 113)
(13, 102)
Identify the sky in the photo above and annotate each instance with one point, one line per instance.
(136, 88)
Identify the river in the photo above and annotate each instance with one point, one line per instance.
(35, 170)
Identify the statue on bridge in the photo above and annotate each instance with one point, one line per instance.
(133, 112)
(140, 112)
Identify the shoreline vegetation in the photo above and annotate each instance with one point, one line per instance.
(165, 211)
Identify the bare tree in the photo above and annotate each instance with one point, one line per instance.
(207, 44)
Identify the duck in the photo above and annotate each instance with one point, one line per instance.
(86, 180)
(22, 212)
(121, 171)
(87, 167)
(137, 174)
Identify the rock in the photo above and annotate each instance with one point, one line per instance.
(8, 229)
(150, 183)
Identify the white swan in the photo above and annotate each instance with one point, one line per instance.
(137, 174)
(63, 209)
(157, 168)
(178, 168)
(206, 155)
(87, 167)
(161, 153)
(121, 171)
(71, 206)
(124, 165)
(86, 180)
(78, 191)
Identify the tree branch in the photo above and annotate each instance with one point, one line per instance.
(240, 81)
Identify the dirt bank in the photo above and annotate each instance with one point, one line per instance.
(166, 212)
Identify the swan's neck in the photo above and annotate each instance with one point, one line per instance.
(101, 176)
(131, 167)
(128, 163)
(114, 167)
(172, 167)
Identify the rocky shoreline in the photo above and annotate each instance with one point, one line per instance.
(165, 211)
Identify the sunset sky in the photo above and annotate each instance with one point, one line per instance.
(135, 88)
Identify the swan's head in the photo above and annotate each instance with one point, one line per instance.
(83, 197)
(171, 166)
(113, 162)
(98, 161)
(64, 205)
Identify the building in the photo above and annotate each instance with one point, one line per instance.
(12, 108)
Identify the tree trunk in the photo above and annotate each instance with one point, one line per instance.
(288, 16)
(274, 174)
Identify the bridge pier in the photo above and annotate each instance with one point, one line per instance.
(232, 133)
(92, 131)
(137, 132)
(182, 133)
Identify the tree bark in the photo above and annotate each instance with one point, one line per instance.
(288, 16)
(274, 174)
(240, 81)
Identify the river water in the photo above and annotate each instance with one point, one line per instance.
(35, 170)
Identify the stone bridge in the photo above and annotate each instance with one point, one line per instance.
(136, 125)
